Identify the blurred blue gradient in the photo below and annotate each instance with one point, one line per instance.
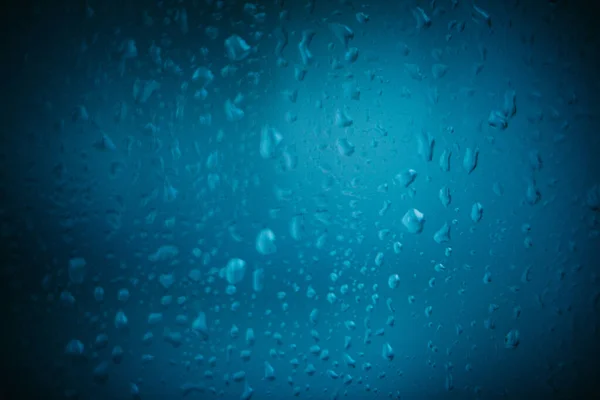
(305, 134)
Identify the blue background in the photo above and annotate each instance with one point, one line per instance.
(61, 196)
